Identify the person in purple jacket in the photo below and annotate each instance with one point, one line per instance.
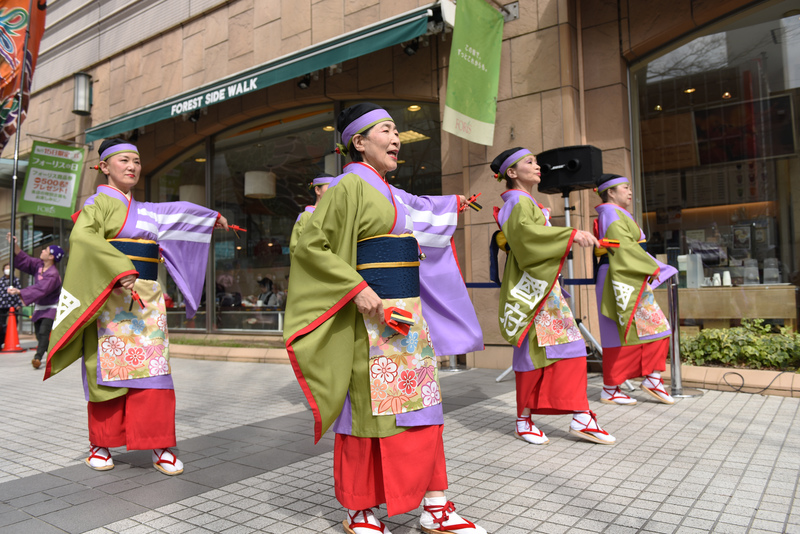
(43, 293)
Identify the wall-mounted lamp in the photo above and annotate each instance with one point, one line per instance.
(82, 94)
(305, 82)
(411, 48)
(259, 184)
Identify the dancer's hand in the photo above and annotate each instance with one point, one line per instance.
(369, 303)
(222, 222)
(128, 281)
(585, 239)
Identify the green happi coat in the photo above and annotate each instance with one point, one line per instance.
(537, 254)
(94, 268)
(297, 229)
(627, 297)
(324, 332)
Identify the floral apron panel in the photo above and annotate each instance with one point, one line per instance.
(649, 318)
(402, 369)
(555, 324)
(133, 341)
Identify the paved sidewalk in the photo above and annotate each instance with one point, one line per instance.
(723, 462)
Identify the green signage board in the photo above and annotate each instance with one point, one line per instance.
(474, 72)
(51, 183)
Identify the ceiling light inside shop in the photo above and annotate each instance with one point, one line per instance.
(328, 128)
(239, 247)
(410, 136)
(726, 95)
(200, 160)
(399, 161)
(690, 90)
(414, 108)
(658, 107)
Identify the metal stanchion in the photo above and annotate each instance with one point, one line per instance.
(453, 365)
(676, 387)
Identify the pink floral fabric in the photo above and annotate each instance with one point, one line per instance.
(133, 342)
(649, 318)
(403, 372)
(555, 324)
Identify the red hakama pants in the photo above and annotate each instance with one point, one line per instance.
(141, 419)
(397, 470)
(556, 389)
(623, 363)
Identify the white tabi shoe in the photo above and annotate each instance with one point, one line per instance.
(655, 388)
(614, 395)
(527, 431)
(584, 425)
(439, 517)
(99, 459)
(165, 461)
(363, 522)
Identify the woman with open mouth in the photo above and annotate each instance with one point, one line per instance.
(374, 287)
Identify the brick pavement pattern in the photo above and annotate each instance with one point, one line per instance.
(723, 462)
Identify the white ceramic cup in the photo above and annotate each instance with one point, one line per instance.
(726, 278)
(259, 303)
(716, 280)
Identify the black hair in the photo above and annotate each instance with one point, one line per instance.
(498, 162)
(603, 178)
(347, 116)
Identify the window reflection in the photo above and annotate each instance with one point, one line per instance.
(719, 160)
(250, 269)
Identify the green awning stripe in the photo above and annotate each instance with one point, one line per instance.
(382, 35)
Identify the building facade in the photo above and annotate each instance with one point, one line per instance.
(232, 105)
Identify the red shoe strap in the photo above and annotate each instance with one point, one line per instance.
(353, 524)
(585, 428)
(445, 511)
(161, 460)
(614, 392)
(659, 385)
(532, 425)
(94, 450)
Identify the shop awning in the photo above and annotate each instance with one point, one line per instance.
(351, 45)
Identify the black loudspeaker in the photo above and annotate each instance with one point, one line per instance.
(569, 168)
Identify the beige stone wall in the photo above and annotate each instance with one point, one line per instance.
(235, 37)
(563, 81)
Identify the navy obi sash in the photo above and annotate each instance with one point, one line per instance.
(144, 254)
(390, 265)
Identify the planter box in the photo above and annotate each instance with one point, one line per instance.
(786, 384)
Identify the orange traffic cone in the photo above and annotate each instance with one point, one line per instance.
(12, 337)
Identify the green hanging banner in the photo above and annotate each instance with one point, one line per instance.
(51, 183)
(474, 72)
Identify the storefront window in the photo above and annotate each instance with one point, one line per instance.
(183, 179)
(719, 167)
(260, 174)
(260, 177)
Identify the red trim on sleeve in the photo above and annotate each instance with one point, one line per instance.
(455, 256)
(296, 366)
(75, 216)
(85, 316)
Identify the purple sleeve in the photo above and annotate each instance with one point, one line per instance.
(27, 264)
(184, 235)
(447, 306)
(49, 283)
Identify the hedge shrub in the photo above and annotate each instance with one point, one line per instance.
(752, 345)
